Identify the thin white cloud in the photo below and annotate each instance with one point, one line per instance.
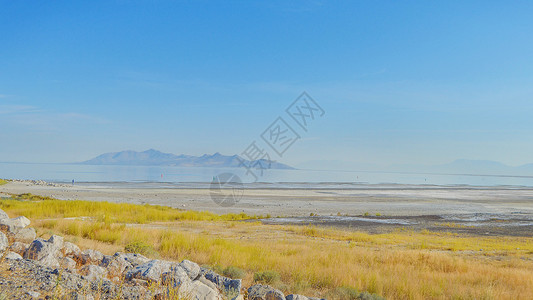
(35, 118)
(8, 109)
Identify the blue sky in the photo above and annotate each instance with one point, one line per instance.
(401, 81)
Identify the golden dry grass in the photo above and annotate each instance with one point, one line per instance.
(314, 261)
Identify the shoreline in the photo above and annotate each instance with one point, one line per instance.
(480, 211)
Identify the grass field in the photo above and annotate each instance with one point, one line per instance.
(2, 181)
(299, 259)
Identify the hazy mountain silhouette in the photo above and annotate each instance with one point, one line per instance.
(153, 157)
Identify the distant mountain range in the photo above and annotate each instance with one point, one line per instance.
(157, 158)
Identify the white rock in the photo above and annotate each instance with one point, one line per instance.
(176, 277)
(3, 215)
(150, 271)
(67, 263)
(133, 258)
(21, 222)
(45, 252)
(91, 256)
(3, 241)
(57, 241)
(191, 268)
(19, 247)
(33, 295)
(198, 291)
(115, 264)
(296, 297)
(12, 255)
(27, 234)
(92, 272)
(71, 250)
(263, 292)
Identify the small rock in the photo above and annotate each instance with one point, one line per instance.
(264, 292)
(92, 272)
(133, 258)
(91, 256)
(19, 247)
(140, 282)
(296, 297)
(33, 294)
(67, 263)
(71, 250)
(191, 268)
(57, 241)
(3, 241)
(7, 226)
(13, 255)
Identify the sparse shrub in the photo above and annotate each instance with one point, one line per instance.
(368, 296)
(344, 292)
(350, 293)
(378, 215)
(267, 277)
(140, 247)
(366, 214)
(234, 272)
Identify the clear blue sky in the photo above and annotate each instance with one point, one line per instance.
(400, 81)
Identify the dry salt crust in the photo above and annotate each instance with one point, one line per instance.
(396, 200)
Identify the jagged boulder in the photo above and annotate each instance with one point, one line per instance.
(150, 271)
(92, 272)
(191, 268)
(46, 252)
(209, 283)
(224, 283)
(12, 226)
(115, 264)
(67, 263)
(264, 292)
(175, 277)
(91, 256)
(71, 250)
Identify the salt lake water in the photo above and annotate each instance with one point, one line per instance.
(200, 177)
